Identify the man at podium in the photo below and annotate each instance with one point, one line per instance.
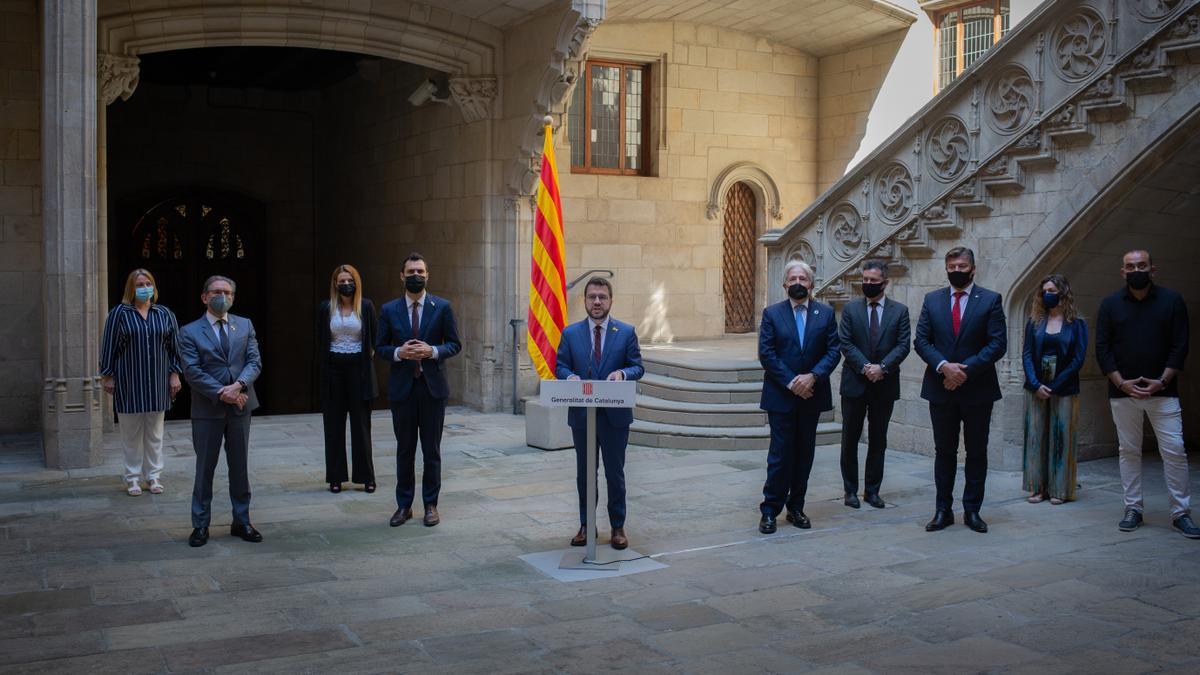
(600, 348)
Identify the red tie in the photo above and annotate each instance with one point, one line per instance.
(596, 352)
(416, 327)
(956, 312)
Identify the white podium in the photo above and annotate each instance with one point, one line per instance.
(590, 394)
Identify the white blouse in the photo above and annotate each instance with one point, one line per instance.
(345, 333)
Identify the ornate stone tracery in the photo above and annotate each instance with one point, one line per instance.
(803, 251)
(895, 192)
(948, 148)
(1079, 45)
(845, 231)
(1010, 99)
(474, 96)
(1154, 9)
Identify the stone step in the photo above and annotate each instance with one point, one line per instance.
(710, 370)
(691, 391)
(659, 435)
(684, 413)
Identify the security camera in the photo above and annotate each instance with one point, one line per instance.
(426, 92)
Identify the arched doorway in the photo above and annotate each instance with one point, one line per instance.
(738, 272)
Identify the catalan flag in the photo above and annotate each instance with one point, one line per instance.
(548, 273)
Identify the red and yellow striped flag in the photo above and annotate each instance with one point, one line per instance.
(548, 273)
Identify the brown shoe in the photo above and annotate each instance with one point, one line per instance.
(400, 517)
(580, 538)
(619, 540)
(431, 516)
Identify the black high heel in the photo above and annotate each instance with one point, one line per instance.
(335, 488)
(369, 487)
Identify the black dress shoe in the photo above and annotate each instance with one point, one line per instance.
(246, 532)
(199, 537)
(767, 524)
(972, 520)
(400, 517)
(370, 487)
(580, 538)
(431, 516)
(851, 500)
(798, 519)
(874, 500)
(942, 519)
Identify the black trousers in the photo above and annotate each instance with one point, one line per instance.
(419, 415)
(874, 407)
(789, 461)
(344, 386)
(975, 420)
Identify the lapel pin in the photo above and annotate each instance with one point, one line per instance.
(816, 312)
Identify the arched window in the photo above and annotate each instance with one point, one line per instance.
(964, 33)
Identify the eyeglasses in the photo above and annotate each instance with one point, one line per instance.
(592, 297)
(221, 292)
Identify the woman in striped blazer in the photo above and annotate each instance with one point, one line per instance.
(140, 367)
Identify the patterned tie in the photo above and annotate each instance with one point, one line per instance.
(956, 312)
(416, 330)
(801, 321)
(225, 346)
(874, 330)
(596, 351)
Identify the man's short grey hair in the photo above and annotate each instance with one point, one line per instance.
(794, 264)
(217, 277)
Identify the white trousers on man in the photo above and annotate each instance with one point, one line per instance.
(142, 436)
(1166, 418)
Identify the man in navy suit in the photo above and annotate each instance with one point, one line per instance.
(417, 334)
(798, 348)
(600, 348)
(960, 336)
(220, 363)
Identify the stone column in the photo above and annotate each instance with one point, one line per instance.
(71, 418)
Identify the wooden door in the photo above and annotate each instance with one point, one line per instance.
(739, 248)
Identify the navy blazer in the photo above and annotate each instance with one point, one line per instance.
(621, 352)
(207, 369)
(1066, 380)
(895, 341)
(438, 330)
(782, 358)
(982, 341)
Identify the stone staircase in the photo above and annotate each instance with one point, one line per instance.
(705, 397)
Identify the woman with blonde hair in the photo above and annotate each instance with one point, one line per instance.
(346, 328)
(1056, 340)
(140, 367)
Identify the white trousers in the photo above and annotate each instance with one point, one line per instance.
(1166, 418)
(142, 434)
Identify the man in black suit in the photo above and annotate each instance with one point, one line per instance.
(417, 334)
(960, 336)
(798, 349)
(875, 337)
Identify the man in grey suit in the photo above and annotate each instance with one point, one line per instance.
(875, 337)
(220, 363)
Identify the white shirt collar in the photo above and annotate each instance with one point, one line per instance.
(967, 290)
(797, 304)
(212, 320)
(881, 300)
(419, 301)
(603, 324)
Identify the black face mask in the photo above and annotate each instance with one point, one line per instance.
(872, 291)
(1137, 280)
(959, 279)
(798, 292)
(414, 283)
(346, 290)
(1049, 300)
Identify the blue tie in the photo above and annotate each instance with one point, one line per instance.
(801, 315)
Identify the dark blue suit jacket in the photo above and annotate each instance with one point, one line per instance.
(782, 359)
(982, 341)
(1066, 380)
(620, 352)
(438, 330)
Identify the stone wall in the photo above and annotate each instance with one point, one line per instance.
(255, 143)
(21, 283)
(729, 98)
(849, 85)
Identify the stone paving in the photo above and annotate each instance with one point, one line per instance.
(92, 580)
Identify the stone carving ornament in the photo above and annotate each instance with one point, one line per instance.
(1010, 99)
(474, 96)
(845, 231)
(948, 149)
(894, 192)
(1079, 44)
(116, 76)
(803, 251)
(1155, 9)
